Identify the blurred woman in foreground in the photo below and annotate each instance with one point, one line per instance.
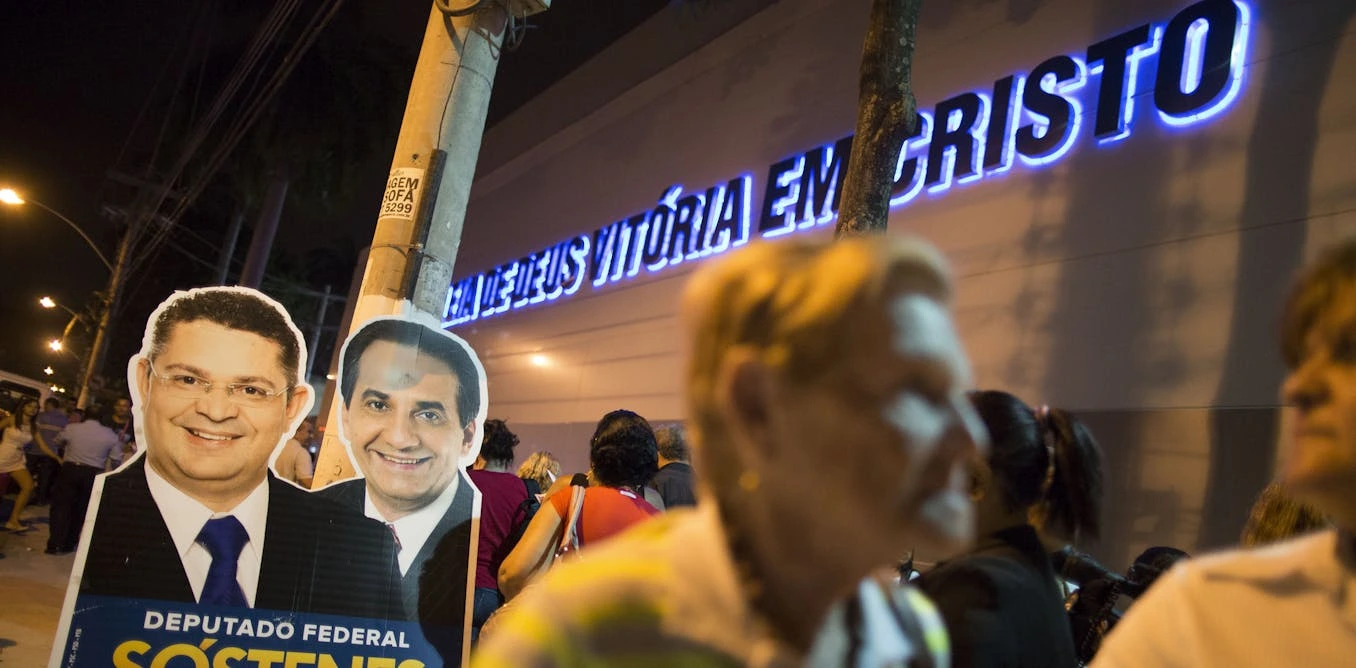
(830, 429)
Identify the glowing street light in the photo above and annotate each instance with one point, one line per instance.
(8, 196)
(47, 302)
(48, 370)
(55, 344)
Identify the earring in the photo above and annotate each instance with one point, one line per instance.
(748, 481)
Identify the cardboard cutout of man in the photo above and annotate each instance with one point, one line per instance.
(413, 407)
(217, 387)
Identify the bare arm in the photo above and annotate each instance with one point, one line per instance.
(533, 553)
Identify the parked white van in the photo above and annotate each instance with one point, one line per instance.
(14, 388)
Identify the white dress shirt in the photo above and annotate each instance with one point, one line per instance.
(186, 519)
(414, 529)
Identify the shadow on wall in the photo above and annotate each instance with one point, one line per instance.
(1156, 291)
(1242, 452)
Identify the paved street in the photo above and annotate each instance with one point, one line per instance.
(32, 585)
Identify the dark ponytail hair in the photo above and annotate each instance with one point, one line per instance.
(1022, 442)
(1075, 495)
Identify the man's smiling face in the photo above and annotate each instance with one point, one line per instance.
(403, 427)
(214, 447)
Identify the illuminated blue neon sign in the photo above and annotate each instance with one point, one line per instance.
(1196, 59)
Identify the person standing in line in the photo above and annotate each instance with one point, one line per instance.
(91, 447)
(622, 457)
(539, 471)
(674, 480)
(1040, 487)
(294, 460)
(1290, 603)
(501, 510)
(43, 459)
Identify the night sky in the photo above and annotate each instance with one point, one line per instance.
(93, 88)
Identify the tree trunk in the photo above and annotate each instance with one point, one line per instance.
(886, 114)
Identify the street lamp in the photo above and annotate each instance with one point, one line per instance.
(55, 345)
(94, 360)
(48, 370)
(48, 302)
(8, 196)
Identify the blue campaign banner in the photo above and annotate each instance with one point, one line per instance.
(136, 633)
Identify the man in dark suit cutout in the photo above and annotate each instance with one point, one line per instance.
(411, 401)
(218, 388)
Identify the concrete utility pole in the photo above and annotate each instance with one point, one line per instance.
(265, 228)
(97, 350)
(424, 206)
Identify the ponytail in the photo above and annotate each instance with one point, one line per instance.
(1074, 496)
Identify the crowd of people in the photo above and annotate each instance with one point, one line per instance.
(52, 456)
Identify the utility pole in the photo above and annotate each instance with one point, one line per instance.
(228, 247)
(100, 345)
(424, 206)
(266, 227)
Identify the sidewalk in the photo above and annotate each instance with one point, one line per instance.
(32, 588)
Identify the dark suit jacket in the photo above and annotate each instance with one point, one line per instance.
(1002, 604)
(434, 588)
(317, 557)
(675, 486)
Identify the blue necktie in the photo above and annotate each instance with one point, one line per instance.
(224, 538)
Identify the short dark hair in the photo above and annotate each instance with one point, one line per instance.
(51, 402)
(672, 440)
(93, 413)
(427, 341)
(1328, 280)
(499, 442)
(233, 309)
(623, 451)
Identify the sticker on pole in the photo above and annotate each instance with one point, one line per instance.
(402, 193)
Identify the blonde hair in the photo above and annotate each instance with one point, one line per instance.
(543, 467)
(1276, 516)
(791, 301)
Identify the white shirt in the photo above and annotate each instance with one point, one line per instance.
(1289, 604)
(414, 529)
(293, 462)
(187, 518)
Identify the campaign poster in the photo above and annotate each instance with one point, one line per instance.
(412, 401)
(195, 553)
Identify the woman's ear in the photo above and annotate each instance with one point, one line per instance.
(746, 390)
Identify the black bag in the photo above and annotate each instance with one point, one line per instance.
(522, 516)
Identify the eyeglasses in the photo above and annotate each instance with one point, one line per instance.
(188, 386)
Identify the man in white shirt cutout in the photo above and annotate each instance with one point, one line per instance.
(412, 404)
(218, 386)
